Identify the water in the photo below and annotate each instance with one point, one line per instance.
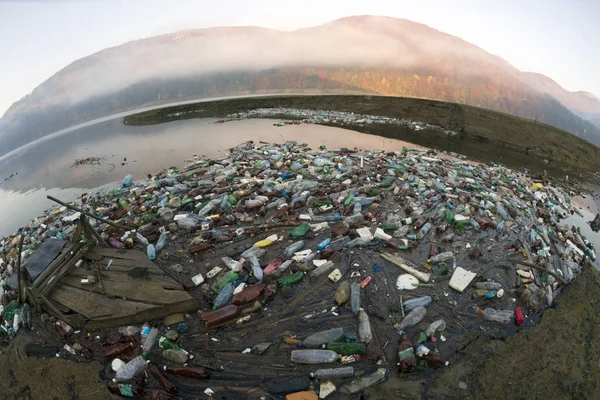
(44, 167)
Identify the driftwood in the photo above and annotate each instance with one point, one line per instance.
(69, 206)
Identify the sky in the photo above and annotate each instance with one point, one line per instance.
(558, 38)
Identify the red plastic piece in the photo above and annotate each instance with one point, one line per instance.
(519, 316)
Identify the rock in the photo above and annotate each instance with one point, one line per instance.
(172, 335)
(260, 348)
(77, 347)
(174, 319)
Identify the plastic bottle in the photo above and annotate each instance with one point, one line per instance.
(313, 356)
(249, 294)
(364, 327)
(178, 356)
(293, 248)
(406, 355)
(323, 269)
(488, 285)
(266, 242)
(151, 252)
(224, 296)
(500, 316)
(124, 390)
(127, 181)
(232, 264)
(358, 242)
(150, 340)
(355, 298)
(160, 243)
(434, 360)
(346, 349)
(320, 338)
(435, 326)
(131, 369)
(253, 251)
(188, 372)
(333, 373)
(299, 231)
(220, 316)
(424, 231)
(342, 294)
(290, 279)
(364, 382)
(229, 277)
(284, 265)
(445, 256)
(411, 304)
(162, 380)
(324, 244)
(256, 268)
(413, 318)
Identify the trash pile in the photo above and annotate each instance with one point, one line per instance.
(320, 272)
(336, 117)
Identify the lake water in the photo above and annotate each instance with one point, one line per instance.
(45, 166)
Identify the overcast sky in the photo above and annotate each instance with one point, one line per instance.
(559, 38)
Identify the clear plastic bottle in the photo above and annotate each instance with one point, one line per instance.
(364, 327)
(358, 242)
(178, 356)
(323, 269)
(445, 256)
(320, 338)
(224, 296)
(333, 373)
(232, 264)
(253, 251)
(314, 356)
(355, 298)
(284, 265)
(151, 252)
(411, 304)
(424, 231)
(144, 333)
(256, 268)
(131, 369)
(500, 316)
(160, 243)
(293, 248)
(149, 340)
(413, 318)
(435, 326)
(364, 382)
(342, 294)
(488, 285)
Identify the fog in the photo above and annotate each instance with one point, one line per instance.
(361, 42)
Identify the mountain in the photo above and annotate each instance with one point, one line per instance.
(364, 54)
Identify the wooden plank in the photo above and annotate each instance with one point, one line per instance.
(115, 276)
(143, 316)
(50, 308)
(91, 231)
(93, 305)
(64, 254)
(62, 270)
(128, 263)
(154, 271)
(135, 291)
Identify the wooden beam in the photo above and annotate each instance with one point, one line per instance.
(65, 253)
(69, 206)
(61, 271)
(94, 233)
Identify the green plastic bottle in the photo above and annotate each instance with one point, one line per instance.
(346, 349)
(9, 311)
(229, 277)
(290, 279)
(299, 231)
(448, 216)
(348, 201)
(166, 344)
(465, 224)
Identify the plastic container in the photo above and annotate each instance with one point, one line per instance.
(249, 294)
(364, 382)
(293, 248)
(355, 298)
(150, 340)
(151, 252)
(413, 318)
(500, 316)
(313, 356)
(445, 256)
(320, 338)
(160, 243)
(323, 269)
(224, 296)
(220, 316)
(333, 373)
(411, 304)
(131, 369)
(257, 270)
(364, 327)
(342, 293)
(435, 326)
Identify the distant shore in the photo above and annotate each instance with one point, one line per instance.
(483, 135)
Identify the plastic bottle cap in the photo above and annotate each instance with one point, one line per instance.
(117, 364)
